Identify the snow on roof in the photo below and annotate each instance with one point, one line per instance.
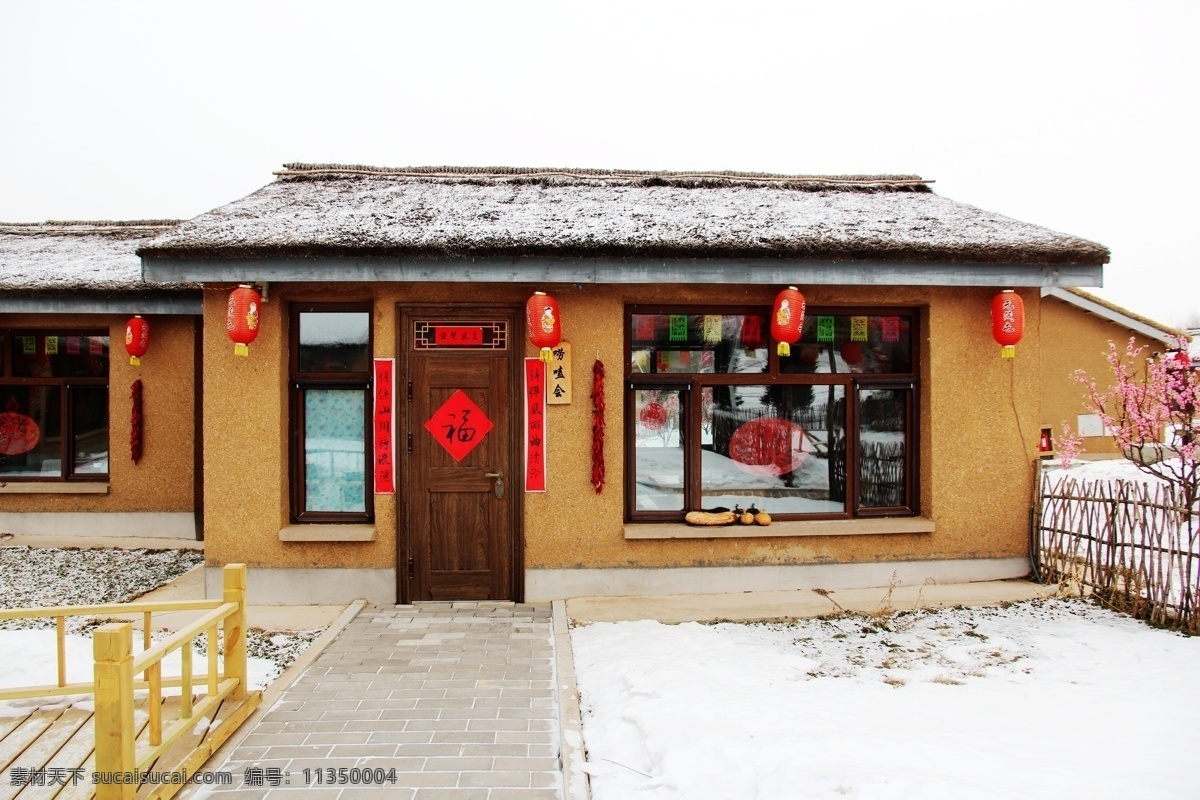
(1115, 313)
(95, 258)
(440, 212)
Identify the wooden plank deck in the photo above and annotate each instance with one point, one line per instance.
(52, 748)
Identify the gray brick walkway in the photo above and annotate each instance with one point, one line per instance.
(458, 699)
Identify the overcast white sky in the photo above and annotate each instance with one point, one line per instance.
(1080, 116)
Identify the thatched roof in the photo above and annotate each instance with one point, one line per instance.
(79, 258)
(455, 212)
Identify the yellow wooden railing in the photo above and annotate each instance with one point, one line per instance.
(116, 667)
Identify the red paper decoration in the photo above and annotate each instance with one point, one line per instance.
(769, 446)
(787, 318)
(1008, 321)
(18, 433)
(653, 416)
(752, 332)
(241, 318)
(544, 322)
(137, 339)
(459, 425)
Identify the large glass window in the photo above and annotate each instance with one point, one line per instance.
(331, 373)
(716, 419)
(53, 405)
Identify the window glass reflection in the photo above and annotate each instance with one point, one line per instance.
(335, 341)
(89, 430)
(658, 450)
(31, 431)
(883, 418)
(699, 343)
(781, 448)
(852, 344)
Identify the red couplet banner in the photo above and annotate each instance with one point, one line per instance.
(385, 426)
(535, 425)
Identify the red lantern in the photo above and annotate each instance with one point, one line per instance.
(241, 318)
(544, 322)
(787, 319)
(137, 339)
(1008, 321)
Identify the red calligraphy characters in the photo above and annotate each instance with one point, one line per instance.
(535, 425)
(385, 426)
(459, 425)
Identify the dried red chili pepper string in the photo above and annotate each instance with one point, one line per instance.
(598, 425)
(135, 423)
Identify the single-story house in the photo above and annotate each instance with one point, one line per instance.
(1076, 327)
(384, 438)
(67, 408)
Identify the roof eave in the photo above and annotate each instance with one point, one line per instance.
(610, 271)
(175, 303)
(1163, 333)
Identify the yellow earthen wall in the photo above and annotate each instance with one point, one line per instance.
(975, 462)
(162, 481)
(1074, 339)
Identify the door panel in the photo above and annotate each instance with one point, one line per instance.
(459, 534)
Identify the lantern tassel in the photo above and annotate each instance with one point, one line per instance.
(241, 350)
(546, 355)
(1008, 351)
(135, 361)
(784, 350)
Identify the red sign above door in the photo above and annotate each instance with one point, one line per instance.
(459, 425)
(458, 336)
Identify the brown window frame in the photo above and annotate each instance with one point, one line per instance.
(692, 384)
(298, 384)
(66, 386)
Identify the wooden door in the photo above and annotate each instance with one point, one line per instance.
(461, 501)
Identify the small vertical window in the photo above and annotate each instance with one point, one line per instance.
(658, 450)
(330, 388)
(883, 425)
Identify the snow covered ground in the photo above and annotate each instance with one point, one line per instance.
(1041, 700)
(1054, 699)
(66, 576)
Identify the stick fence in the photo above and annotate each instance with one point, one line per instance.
(1128, 544)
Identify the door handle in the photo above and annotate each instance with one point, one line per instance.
(498, 485)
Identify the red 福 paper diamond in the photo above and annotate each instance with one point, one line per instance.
(459, 425)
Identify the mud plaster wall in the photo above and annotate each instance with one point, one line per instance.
(246, 438)
(162, 480)
(1075, 339)
(975, 464)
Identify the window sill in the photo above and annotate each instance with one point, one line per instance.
(826, 527)
(52, 487)
(327, 533)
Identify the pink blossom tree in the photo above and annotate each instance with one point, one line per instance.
(1069, 446)
(1151, 413)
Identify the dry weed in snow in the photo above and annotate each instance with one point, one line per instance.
(52, 576)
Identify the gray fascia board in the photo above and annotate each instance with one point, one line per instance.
(16, 304)
(600, 271)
